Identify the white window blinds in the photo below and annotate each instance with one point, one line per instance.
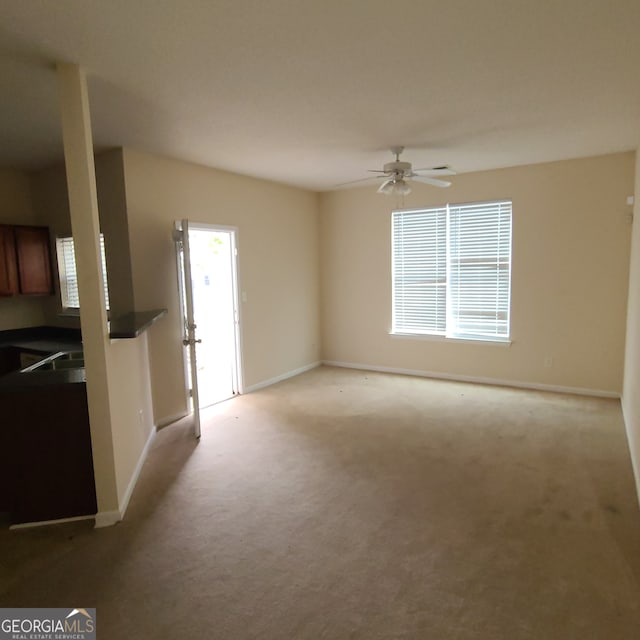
(68, 274)
(420, 271)
(452, 270)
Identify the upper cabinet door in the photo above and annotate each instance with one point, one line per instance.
(8, 270)
(34, 262)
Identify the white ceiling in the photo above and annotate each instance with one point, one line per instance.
(313, 92)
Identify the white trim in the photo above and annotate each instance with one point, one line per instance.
(238, 368)
(107, 518)
(237, 298)
(434, 337)
(28, 525)
(635, 464)
(598, 393)
(136, 473)
(205, 226)
(181, 304)
(165, 422)
(284, 376)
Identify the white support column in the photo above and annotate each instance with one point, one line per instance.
(83, 204)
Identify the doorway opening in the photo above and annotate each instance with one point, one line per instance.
(213, 258)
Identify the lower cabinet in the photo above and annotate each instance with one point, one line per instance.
(45, 454)
(9, 360)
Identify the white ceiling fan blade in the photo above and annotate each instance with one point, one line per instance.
(344, 184)
(437, 171)
(432, 181)
(381, 188)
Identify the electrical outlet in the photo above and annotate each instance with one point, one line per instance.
(548, 361)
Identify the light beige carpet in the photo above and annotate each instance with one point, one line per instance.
(350, 505)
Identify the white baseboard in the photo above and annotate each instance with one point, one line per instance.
(280, 378)
(136, 473)
(534, 386)
(28, 525)
(107, 518)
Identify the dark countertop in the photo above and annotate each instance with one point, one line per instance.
(44, 341)
(17, 381)
(50, 340)
(45, 346)
(133, 324)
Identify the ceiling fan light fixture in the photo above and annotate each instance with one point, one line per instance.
(395, 187)
(397, 176)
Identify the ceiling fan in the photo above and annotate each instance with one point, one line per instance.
(397, 174)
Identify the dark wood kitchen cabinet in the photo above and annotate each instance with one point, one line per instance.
(46, 461)
(9, 359)
(25, 261)
(8, 262)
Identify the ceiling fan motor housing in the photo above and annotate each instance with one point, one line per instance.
(397, 167)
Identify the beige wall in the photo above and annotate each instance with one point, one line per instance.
(112, 207)
(569, 276)
(20, 312)
(131, 408)
(127, 375)
(51, 202)
(16, 207)
(631, 390)
(278, 266)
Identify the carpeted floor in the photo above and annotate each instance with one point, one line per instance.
(350, 505)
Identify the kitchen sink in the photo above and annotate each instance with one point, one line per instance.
(58, 361)
(71, 355)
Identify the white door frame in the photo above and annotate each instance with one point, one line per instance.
(185, 292)
(238, 377)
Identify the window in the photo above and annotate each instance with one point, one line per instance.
(69, 276)
(452, 271)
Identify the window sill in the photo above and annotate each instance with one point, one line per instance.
(437, 338)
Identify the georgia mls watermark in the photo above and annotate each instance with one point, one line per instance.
(47, 624)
